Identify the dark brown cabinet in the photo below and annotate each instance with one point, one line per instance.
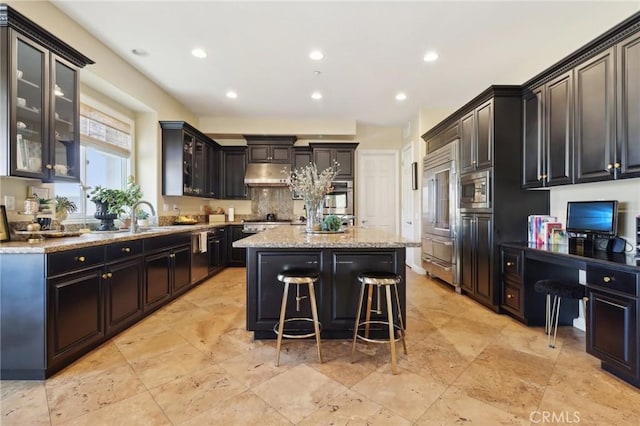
(594, 138)
(167, 264)
(628, 111)
(444, 138)
(236, 256)
(476, 249)
(188, 161)
(123, 284)
(613, 318)
(548, 134)
(476, 138)
(270, 149)
(40, 120)
(75, 314)
(217, 249)
(326, 155)
(511, 275)
(233, 169)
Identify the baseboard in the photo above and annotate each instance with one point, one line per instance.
(417, 269)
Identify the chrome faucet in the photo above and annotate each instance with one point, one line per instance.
(134, 221)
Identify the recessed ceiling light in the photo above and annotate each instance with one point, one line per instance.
(316, 95)
(139, 52)
(401, 96)
(232, 94)
(199, 53)
(430, 56)
(316, 55)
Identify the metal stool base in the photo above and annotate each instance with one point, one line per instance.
(296, 336)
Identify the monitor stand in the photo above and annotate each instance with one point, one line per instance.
(580, 245)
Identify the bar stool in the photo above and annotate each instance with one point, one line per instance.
(297, 278)
(559, 289)
(377, 280)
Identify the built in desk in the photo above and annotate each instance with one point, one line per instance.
(612, 313)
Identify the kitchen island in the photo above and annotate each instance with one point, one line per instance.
(338, 257)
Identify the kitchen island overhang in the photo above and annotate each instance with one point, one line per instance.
(338, 257)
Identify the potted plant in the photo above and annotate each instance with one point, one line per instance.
(64, 206)
(110, 203)
(142, 218)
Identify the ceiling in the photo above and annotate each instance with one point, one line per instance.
(372, 51)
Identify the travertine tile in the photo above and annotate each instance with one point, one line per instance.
(23, 403)
(257, 365)
(406, 394)
(242, 409)
(71, 397)
(455, 407)
(195, 393)
(137, 410)
(298, 392)
(351, 408)
(139, 347)
(101, 359)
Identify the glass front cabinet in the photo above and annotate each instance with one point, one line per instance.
(39, 101)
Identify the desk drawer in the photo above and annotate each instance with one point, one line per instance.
(613, 279)
(74, 260)
(512, 261)
(124, 250)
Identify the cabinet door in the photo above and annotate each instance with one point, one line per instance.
(323, 157)
(259, 153)
(594, 137)
(628, 55)
(533, 158)
(558, 130)
(612, 331)
(483, 261)
(181, 268)
(234, 162)
(212, 180)
(344, 290)
(75, 314)
(270, 264)
(217, 253)
(199, 168)
(158, 273)
(280, 154)
(237, 256)
(29, 147)
(64, 156)
(188, 145)
(467, 238)
(484, 135)
(344, 157)
(123, 290)
(467, 126)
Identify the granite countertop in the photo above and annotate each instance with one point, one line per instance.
(97, 238)
(287, 236)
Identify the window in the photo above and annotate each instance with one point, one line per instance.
(105, 155)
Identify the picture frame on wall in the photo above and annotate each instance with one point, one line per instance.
(5, 232)
(39, 192)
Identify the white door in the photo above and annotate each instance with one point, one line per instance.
(378, 200)
(406, 209)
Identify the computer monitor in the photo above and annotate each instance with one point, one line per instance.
(594, 219)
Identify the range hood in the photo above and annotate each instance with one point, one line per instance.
(266, 174)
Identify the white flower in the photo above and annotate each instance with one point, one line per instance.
(311, 185)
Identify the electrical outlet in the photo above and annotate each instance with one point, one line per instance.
(10, 202)
(175, 207)
(165, 207)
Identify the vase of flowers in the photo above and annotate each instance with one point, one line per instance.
(312, 186)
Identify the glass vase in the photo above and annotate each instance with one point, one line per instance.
(314, 214)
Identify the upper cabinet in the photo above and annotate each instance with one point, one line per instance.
(326, 154)
(476, 136)
(270, 149)
(582, 116)
(189, 161)
(547, 133)
(233, 163)
(39, 94)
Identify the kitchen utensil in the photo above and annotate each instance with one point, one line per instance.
(271, 217)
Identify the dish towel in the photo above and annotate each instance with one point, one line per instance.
(203, 242)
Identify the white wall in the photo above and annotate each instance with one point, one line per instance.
(626, 191)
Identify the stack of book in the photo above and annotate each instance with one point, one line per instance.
(540, 228)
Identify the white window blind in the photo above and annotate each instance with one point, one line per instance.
(102, 131)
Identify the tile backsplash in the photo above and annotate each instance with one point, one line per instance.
(275, 200)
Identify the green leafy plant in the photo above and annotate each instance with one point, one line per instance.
(119, 201)
(331, 223)
(65, 205)
(142, 215)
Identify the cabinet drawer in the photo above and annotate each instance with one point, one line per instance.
(123, 250)
(71, 260)
(512, 262)
(512, 296)
(622, 281)
(166, 241)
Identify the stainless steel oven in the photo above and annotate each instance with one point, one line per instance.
(440, 213)
(475, 190)
(340, 200)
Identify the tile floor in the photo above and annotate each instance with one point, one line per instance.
(193, 363)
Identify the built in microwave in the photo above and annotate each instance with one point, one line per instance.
(475, 190)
